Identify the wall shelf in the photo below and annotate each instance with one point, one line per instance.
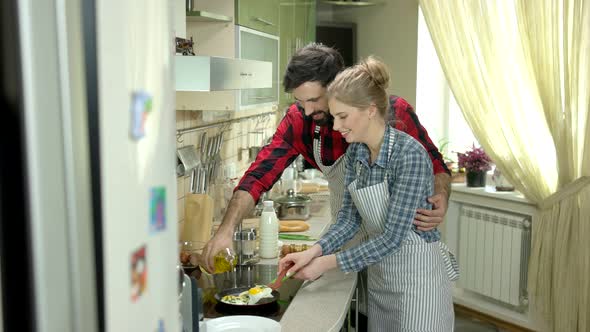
(350, 3)
(203, 16)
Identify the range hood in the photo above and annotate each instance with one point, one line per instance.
(209, 73)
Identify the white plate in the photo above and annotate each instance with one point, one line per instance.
(243, 323)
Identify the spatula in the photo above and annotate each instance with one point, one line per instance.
(278, 281)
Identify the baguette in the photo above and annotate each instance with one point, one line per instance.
(293, 226)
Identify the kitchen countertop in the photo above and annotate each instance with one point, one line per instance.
(321, 305)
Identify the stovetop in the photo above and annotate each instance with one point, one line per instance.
(245, 276)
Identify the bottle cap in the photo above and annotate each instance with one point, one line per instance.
(268, 203)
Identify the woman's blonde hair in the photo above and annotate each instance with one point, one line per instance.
(362, 85)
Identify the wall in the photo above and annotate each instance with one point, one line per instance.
(234, 153)
(388, 30)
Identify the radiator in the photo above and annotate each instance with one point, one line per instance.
(494, 250)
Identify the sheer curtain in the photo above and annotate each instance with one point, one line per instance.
(520, 71)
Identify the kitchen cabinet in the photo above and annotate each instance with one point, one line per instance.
(219, 38)
(261, 15)
(305, 21)
(260, 46)
(297, 29)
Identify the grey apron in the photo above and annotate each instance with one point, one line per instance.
(335, 176)
(409, 290)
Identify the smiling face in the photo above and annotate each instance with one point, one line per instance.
(350, 121)
(312, 97)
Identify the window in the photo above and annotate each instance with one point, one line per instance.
(435, 104)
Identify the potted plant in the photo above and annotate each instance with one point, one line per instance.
(476, 163)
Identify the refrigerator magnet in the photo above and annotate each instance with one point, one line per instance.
(157, 209)
(138, 268)
(141, 106)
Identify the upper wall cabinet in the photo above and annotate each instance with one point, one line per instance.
(297, 29)
(263, 47)
(261, 15)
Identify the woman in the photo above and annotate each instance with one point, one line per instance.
(388, 177)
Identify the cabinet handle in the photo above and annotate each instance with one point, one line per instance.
(245, 74)
(264, 21)
(261, 98)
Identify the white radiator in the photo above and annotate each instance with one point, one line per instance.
(494, 249)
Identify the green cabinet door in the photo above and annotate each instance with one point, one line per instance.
(310, 11)
(297, 29)
(305, 20)
(256, 45)
(261, 15)
(287, 46)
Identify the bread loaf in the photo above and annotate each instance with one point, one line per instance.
(293, 226)
(290, 248)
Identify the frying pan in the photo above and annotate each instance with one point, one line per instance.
(265, 306)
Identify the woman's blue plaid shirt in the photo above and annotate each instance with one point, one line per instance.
(410, 181)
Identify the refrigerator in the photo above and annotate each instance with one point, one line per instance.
(88, 208)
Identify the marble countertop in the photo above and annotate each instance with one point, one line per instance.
(321, 305)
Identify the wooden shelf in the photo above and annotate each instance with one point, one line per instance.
(203, 16)
(349, 3)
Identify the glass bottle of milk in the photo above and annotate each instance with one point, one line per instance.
(269, 231)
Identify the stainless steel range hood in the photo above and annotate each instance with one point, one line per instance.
(209, 73)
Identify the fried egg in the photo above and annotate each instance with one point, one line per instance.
(257, 293)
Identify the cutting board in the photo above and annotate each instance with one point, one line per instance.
(198, 218)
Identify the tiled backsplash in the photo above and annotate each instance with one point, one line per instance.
(236, 141)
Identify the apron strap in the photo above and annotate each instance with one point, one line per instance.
(316, 132)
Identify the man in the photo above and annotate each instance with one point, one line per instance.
(307, 129)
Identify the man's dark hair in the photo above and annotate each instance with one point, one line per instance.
(312, 63)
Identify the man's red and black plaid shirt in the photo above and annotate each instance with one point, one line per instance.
(295, 134)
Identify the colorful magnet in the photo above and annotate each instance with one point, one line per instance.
(157, 209)
(138, 273)
(141, 106)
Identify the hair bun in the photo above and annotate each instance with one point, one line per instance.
(377, 70)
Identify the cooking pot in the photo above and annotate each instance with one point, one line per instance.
(293, 207)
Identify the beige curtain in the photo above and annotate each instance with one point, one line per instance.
(520, 71)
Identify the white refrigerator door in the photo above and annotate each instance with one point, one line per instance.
(135, 47)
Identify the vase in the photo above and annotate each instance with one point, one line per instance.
(501, 182)
(476, 179)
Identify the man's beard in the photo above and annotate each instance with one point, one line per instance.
(327, 120)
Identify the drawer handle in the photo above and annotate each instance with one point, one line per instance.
(245, 74)
(264, 21)
(261, 98)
